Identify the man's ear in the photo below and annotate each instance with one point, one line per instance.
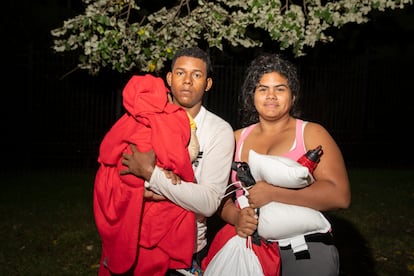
(209, 83)
(168, 78)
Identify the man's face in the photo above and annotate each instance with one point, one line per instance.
(188, 81)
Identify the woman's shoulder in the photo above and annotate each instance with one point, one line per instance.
(315, 134)
(237, 133)
(314, 126)
(243, 131)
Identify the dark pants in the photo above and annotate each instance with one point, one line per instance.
(323, 260)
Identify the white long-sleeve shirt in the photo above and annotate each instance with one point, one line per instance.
(211, 169)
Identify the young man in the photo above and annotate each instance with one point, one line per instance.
(189, 79)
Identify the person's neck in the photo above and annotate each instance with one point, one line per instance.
(271, 126)
(193, 111)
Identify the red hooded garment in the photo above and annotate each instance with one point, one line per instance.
(127, 224)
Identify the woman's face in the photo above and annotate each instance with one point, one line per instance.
(272, 96)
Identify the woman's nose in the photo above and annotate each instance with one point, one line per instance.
(271, 94)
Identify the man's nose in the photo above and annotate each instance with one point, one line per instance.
(188, 79)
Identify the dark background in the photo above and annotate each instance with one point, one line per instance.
(49, 121)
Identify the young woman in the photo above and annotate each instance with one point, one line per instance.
(271, 126)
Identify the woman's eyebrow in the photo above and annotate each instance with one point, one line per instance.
(267, 86)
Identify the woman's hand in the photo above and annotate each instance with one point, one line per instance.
(260, 194)
(246, 222)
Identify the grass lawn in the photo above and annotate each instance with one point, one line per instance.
(375, 236)
(47, 225)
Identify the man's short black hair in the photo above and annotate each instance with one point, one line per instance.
(195, 52)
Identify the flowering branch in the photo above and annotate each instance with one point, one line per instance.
(113, 34)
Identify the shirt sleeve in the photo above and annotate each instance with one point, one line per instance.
(213, 173)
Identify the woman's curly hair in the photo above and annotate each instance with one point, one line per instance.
(263, 64)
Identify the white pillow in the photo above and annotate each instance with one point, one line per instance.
(281, 222)
(278, 170)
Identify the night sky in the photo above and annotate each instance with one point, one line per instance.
(387, 39)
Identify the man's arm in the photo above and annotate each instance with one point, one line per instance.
(142, 164)
(147, 159)
(214, 169)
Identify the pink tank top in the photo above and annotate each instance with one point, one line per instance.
(296, 151)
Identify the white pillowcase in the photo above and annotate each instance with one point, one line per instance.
(278, 170)
(281, 222)
(285, 222)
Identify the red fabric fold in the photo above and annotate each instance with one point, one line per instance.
(122, 217)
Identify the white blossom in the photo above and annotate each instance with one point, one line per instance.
(105, 35)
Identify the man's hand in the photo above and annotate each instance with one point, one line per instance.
(139, 163)
(150, 195)
(175, 179)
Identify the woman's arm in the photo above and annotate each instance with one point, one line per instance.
(331, 189)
